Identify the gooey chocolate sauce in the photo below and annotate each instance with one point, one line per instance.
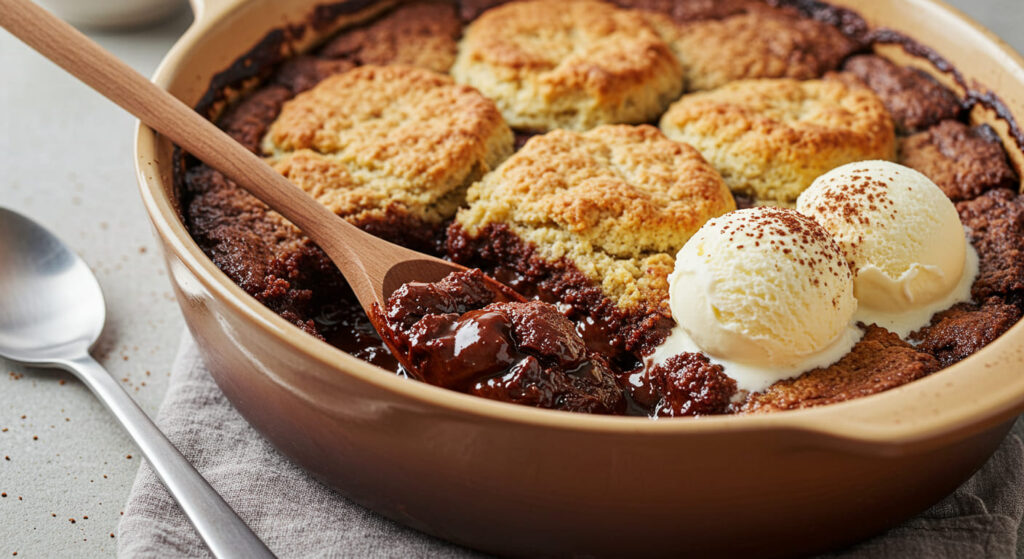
(460, 334)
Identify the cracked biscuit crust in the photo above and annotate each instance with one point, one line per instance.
(880, 361)
(574, 64)
(962, 160)
(387, 140)
(771, 138)
(915, 100)
(618, 202)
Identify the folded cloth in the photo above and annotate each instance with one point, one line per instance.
(298, 516)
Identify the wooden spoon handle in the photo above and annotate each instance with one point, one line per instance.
(102, 71)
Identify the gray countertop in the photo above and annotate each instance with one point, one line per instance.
(67, 161)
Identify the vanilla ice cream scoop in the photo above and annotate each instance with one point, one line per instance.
(765, 292)
(902, 237)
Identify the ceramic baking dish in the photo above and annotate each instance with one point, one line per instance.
(523, 481)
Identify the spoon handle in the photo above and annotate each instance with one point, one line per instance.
(224, 532)
(115, 80)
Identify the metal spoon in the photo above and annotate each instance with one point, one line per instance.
(51, 313)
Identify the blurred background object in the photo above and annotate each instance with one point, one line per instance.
(113, 14)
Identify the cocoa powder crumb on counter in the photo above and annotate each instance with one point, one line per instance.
(71, 520)
(85, 518)
(35, 437)
(61, 382)
(8, 458)
(128, 456)
(111, 534)
(4, 495)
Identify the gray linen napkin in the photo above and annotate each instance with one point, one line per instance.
(298, 516)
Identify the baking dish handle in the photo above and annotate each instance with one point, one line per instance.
(208, 10)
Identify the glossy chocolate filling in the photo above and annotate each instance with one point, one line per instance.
(460, 334)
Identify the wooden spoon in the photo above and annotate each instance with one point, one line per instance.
(373, 267)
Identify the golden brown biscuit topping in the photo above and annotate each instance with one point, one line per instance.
(771, 138)
(574, 64)
(618, 201)
(381, 137)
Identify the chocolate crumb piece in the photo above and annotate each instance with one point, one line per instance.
(61, 382)
(422, 34)
(35, 438)
(247, 121)
(461, 334)
(878, 362)
(687, 384)
(694, 10)
(111, 534)
(71, 520)
(963, 161)
(995, 221)
(956, 333)
(53, 514)
(620, 335)
(85, 518)
(4, 495)
(128, 456)
(915, 100)
(303, 72)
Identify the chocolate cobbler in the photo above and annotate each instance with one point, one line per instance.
(585, 223)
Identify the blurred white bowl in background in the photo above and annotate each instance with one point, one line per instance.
(112, 13)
